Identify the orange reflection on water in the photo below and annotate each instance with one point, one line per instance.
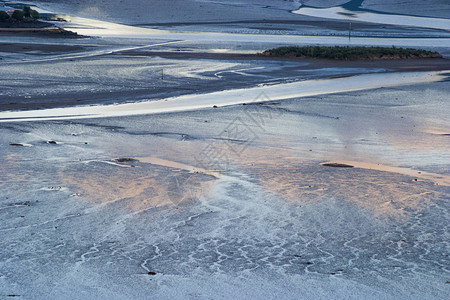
(136, 188)
(12, 170)
(388, 192)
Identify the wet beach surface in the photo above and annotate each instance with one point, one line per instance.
(340, 194)
(74, 212)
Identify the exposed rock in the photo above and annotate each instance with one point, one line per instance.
(337, 165)
(125, 159)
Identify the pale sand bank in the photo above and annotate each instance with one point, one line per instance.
(228, 97)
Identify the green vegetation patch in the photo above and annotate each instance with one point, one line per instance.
(351, 53)
(27, 14)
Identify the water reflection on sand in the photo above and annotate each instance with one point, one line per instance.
(229, 97)
(341, 13)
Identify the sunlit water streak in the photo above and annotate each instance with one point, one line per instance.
(90, 27)
(93, 53)
(227, 97)
(439, 179)
(341, 13)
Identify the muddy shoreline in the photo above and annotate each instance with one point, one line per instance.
(420, 64)
(40, 32)
(41, 48)
(166, 82)
(332, 181)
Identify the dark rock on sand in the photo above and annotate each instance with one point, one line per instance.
(125, 159)
(337, 165)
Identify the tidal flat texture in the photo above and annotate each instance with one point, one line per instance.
(155, 155)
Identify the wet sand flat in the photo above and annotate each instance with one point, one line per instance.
(117, 74)
(172, 162)
(40, 48)
(274, 209)
(259, 94)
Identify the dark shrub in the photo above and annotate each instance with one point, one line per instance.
(18, 15)
(34, 14)
(3, 16)
(27, 12)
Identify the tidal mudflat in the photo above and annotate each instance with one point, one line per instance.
(145, 163)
